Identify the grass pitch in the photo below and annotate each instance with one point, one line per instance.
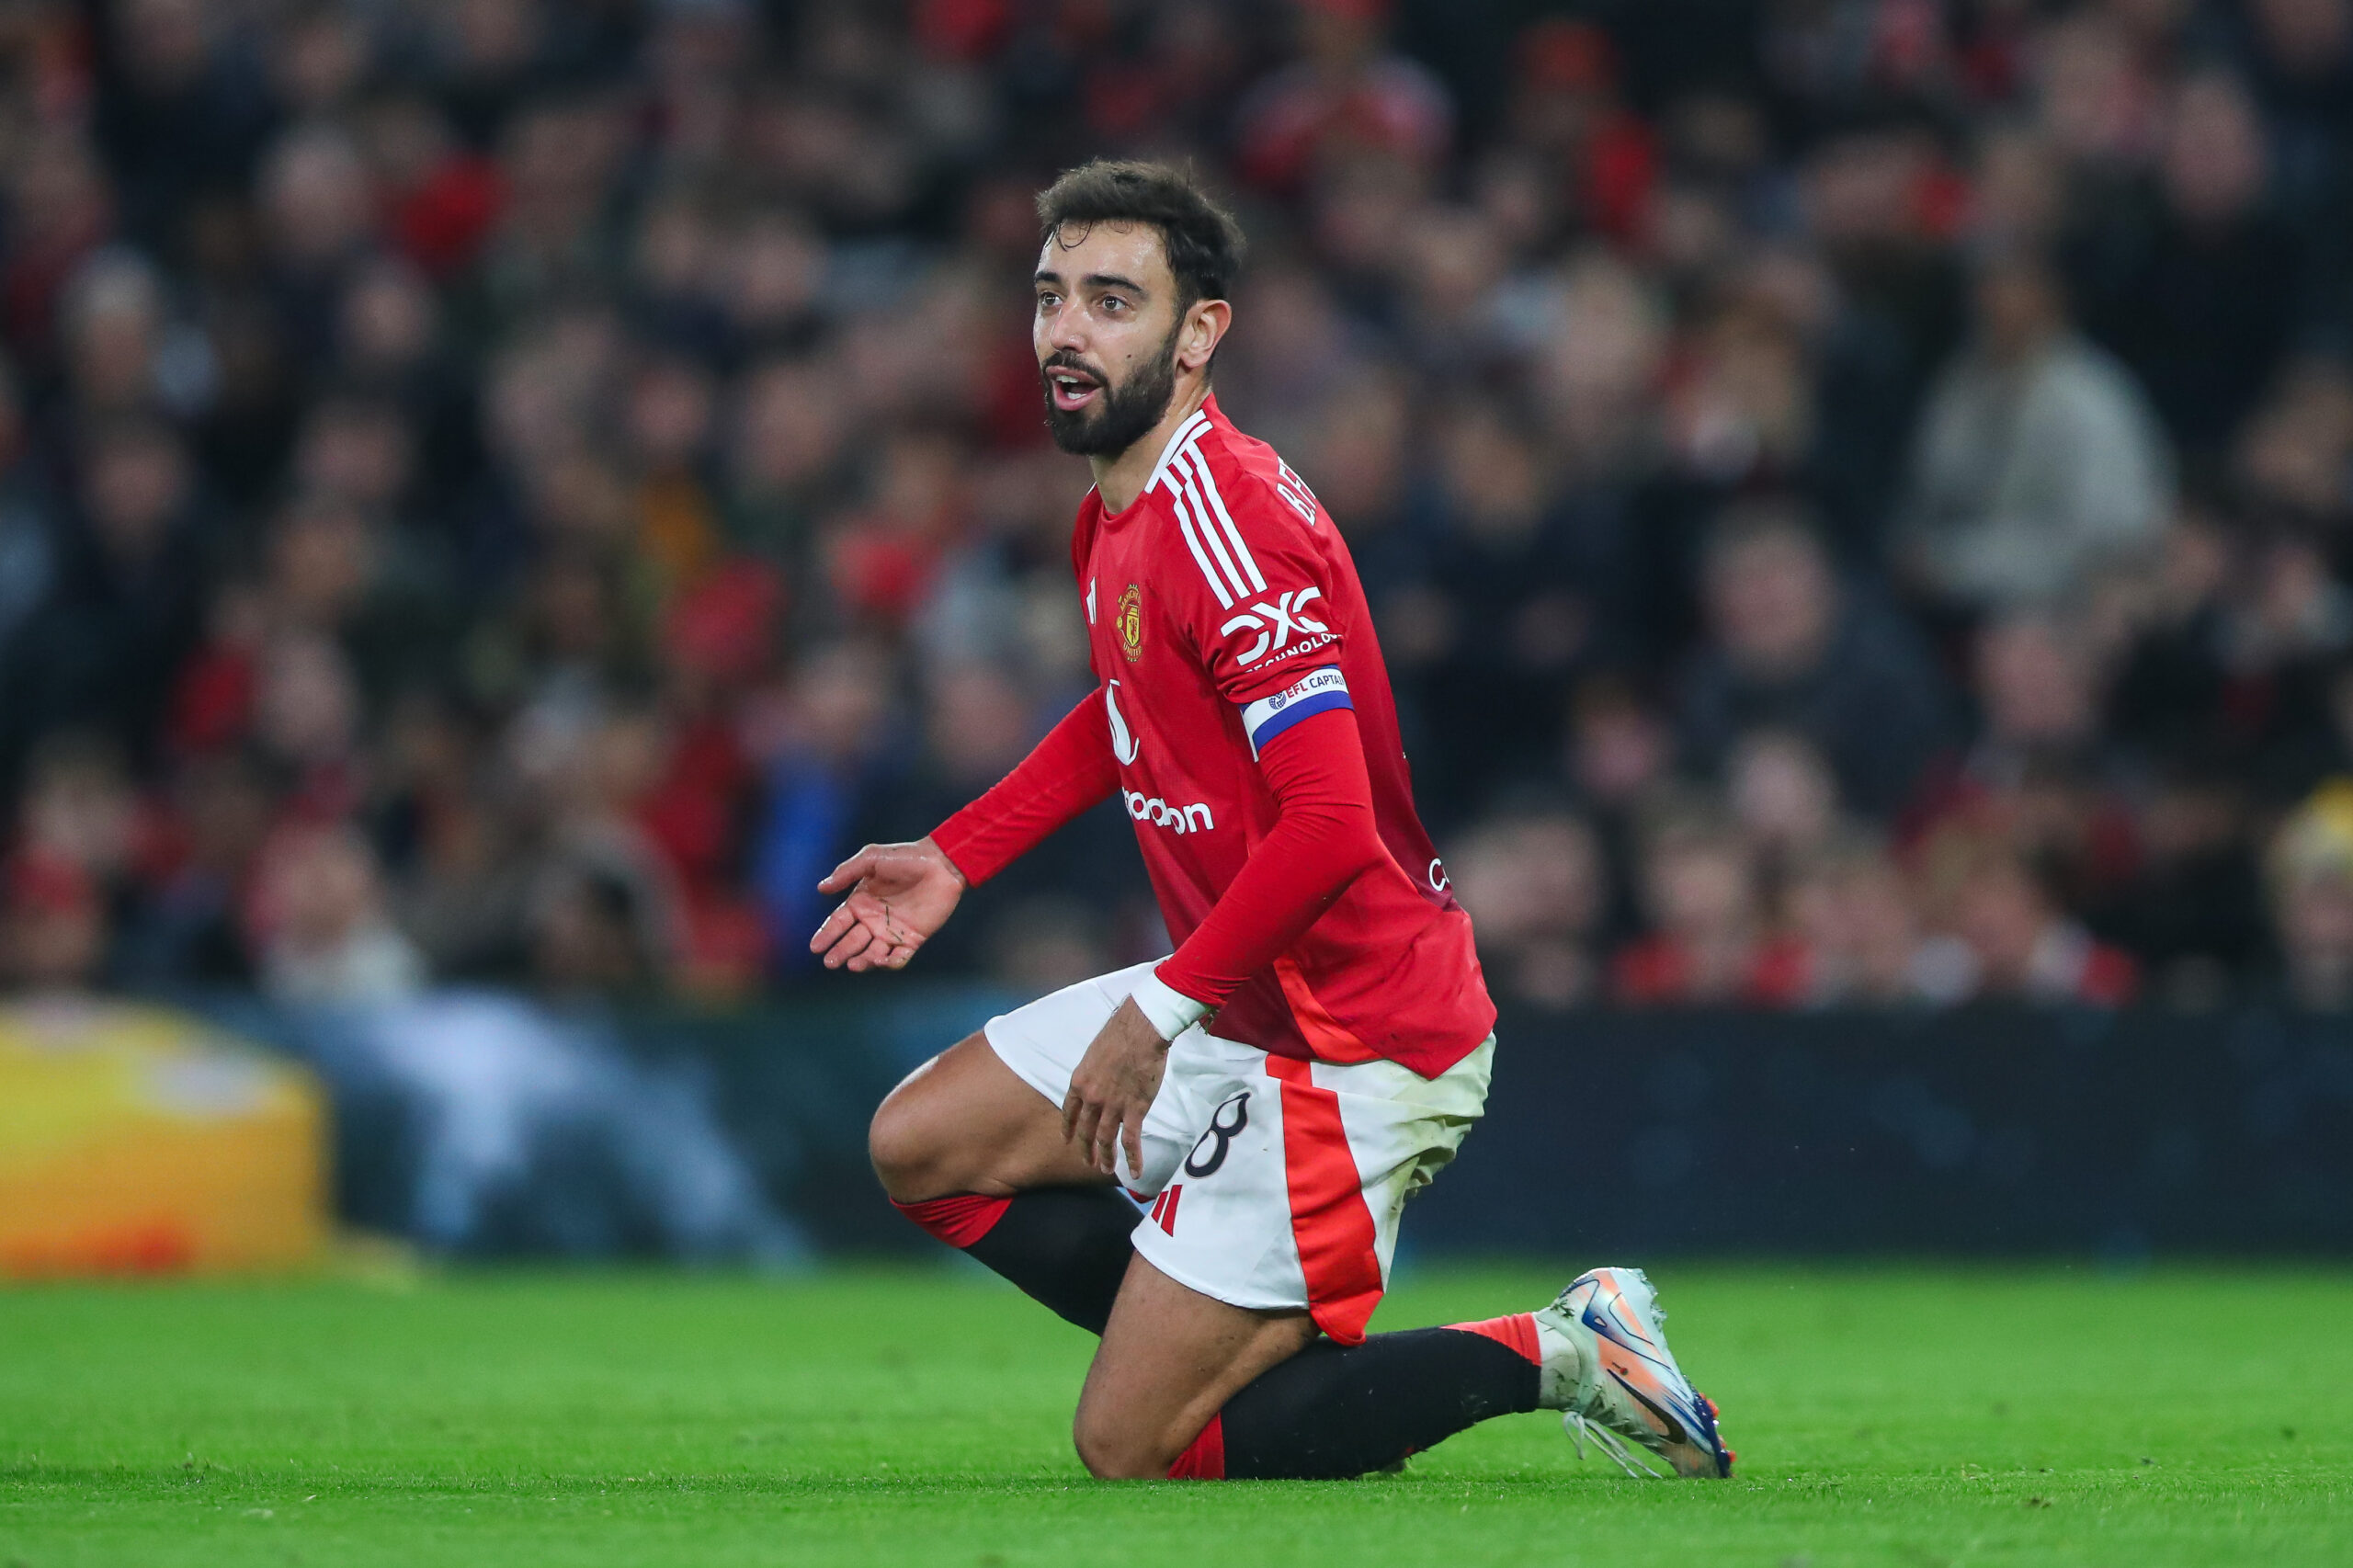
(1900, 1417)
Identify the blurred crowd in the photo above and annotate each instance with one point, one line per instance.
(1857, 494)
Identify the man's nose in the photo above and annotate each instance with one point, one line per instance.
(1066, 329)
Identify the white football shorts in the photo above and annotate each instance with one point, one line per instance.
(1273, 1183)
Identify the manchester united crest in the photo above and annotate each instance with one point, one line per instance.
(1128, 619)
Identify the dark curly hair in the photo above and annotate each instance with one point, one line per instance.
(1203, 243)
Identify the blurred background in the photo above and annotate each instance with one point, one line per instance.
(497, 496)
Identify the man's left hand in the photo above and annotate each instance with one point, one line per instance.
(1113, 1088)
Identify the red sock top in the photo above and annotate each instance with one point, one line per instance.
(959, 1220)
(1204, 1460)
(1516, 1332)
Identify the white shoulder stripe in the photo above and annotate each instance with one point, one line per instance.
(1183, 486)
(1196, 463)
(1183, 433)
(1200, 559)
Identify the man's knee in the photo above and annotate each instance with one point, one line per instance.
(963, 1123)
(904, 1141)
(1113, 1451)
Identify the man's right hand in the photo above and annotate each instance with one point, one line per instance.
(899, 894)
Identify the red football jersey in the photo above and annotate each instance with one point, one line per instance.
(1222, 606)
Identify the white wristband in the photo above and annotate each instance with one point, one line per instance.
(1170, 1010)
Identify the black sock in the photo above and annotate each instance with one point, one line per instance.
(1065, 1247)
(1334, 1411)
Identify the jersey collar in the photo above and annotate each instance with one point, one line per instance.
(1199, 421)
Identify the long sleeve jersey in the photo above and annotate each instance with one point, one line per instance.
(1246, 718)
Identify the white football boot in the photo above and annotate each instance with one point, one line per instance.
(1608, 1371)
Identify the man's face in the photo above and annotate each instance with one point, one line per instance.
(1773, 601)
(1105, 333)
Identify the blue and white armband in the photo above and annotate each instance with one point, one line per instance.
(1318, 691)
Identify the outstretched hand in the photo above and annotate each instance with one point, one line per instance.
(899, 894)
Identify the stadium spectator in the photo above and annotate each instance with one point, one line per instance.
(2038, 460)
(1851, 909)
(124, 606)
(28, 520)
(2293, 451)
(1344, 97)
(54, 923)
(2298, 56)
(1619, 748)
(2199, 289)
(1782, 796)
(2040, 769)
(2191, 909)
(2311, 890)
(2000, 933)
(828, 748)
(327, 937)
(1503, 623)
(1709, 941)
(1539, 887)
(1792, 647)
(2242, 665)
(186, 928)
(592, 455)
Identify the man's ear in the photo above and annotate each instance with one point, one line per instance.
(1205, 326)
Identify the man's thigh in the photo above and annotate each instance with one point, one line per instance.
(1170, 1358)
(1044, 1042)
(986, 1115)
(964, 1122)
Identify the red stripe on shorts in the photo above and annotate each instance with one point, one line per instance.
(1328, 1217)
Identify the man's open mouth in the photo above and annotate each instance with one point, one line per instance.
(1071, 390)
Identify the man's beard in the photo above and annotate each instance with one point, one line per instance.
(1122, 415)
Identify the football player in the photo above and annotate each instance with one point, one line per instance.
(1319, 1044)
